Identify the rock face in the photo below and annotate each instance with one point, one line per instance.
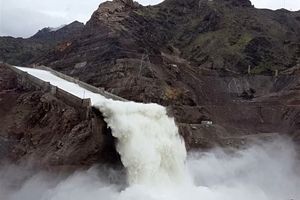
(193, 57)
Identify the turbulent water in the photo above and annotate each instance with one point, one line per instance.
(262, 172)
(148, 142)
(157, 168)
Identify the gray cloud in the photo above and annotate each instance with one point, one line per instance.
(22, 18)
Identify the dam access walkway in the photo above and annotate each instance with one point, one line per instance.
(68, 84)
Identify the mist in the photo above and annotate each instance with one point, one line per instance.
(265, 171)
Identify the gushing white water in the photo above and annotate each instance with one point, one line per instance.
(148, 140)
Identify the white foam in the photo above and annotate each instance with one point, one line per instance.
(263, 172)
(148, 142)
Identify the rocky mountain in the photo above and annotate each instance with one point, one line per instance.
(20, 51)
(55, 35)
(228, 36)
(218, 60)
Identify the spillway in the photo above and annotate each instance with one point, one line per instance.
(150, 146)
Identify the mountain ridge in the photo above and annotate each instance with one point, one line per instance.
(23, 51)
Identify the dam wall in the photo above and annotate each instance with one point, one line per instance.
(28, 81)
(84, 85)
(61, 131)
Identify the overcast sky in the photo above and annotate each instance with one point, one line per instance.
(22, 18)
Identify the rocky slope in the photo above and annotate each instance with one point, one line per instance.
(220, 36)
